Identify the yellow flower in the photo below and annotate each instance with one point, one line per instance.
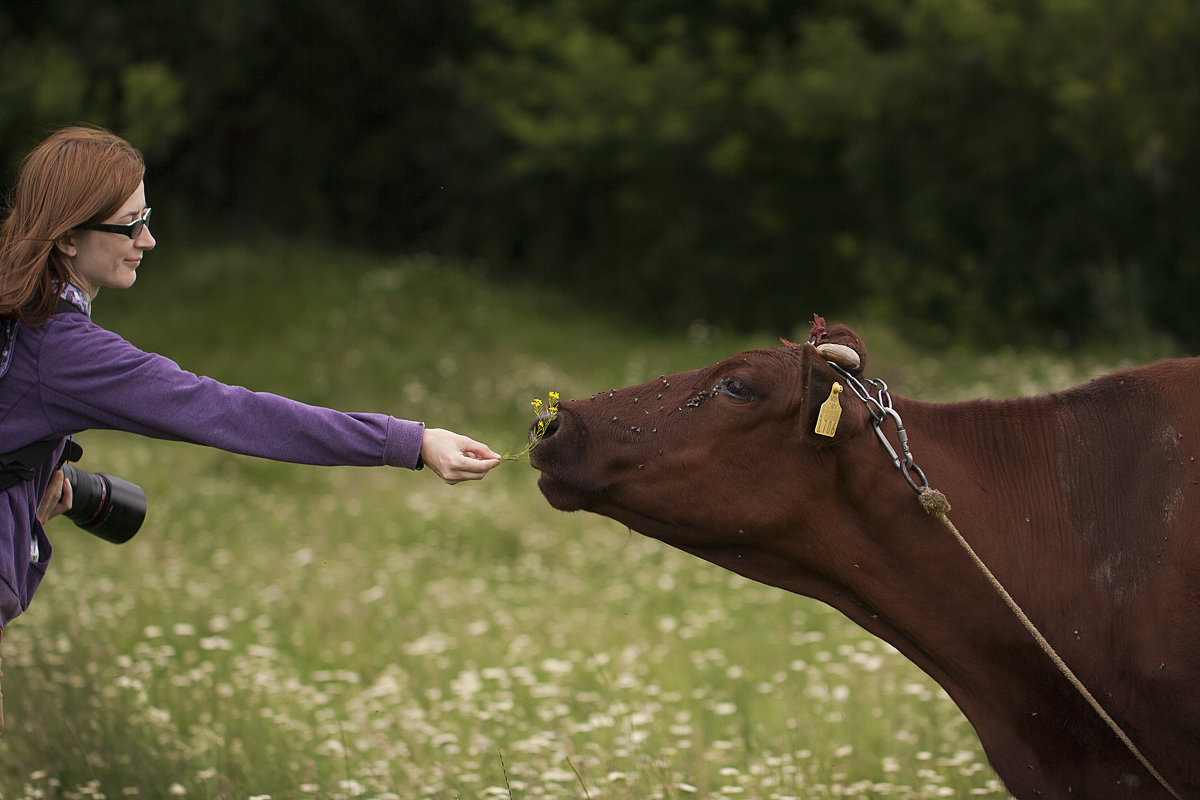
(544, 417)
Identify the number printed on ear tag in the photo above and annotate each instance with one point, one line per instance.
(831, 412)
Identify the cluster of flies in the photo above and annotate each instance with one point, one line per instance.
(694, 402)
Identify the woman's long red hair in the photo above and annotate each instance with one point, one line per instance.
(77, 176)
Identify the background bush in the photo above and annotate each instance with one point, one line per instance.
(983, 169)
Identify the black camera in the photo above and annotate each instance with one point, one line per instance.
(109, 507)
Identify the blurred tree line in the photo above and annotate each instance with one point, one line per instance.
(1000, 170)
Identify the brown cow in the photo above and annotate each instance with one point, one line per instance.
(1083, 503)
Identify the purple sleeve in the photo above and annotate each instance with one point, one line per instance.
(92, 378)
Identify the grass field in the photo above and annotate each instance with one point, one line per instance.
(281, 631)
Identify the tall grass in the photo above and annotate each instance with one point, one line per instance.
(285, 631)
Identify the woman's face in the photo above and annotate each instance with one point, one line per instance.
(102, 258)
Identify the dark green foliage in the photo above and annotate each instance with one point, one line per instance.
(990, 170)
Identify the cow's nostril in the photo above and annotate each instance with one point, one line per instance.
(542, 427)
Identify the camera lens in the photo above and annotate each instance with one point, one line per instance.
(109, 507)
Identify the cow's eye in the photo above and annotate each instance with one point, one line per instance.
(734, 387)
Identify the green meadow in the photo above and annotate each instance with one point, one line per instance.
(291, 632)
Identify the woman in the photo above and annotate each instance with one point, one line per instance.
(78, 222)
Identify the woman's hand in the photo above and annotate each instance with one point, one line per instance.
(456, 458)
(57, 499)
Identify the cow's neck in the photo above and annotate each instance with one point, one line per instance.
(1000, 465)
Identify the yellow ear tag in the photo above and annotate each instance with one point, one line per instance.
(831, 412)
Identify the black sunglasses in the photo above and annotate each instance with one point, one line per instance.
(133, 230)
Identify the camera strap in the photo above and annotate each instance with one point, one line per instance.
(22, 464)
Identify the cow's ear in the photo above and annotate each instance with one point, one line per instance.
(829, 412)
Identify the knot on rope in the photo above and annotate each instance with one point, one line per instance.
(933, 501)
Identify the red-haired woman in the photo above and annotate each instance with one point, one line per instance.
(79, 221)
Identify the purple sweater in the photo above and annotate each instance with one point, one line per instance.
(70, 375)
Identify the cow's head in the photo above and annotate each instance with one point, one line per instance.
(724, 459)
